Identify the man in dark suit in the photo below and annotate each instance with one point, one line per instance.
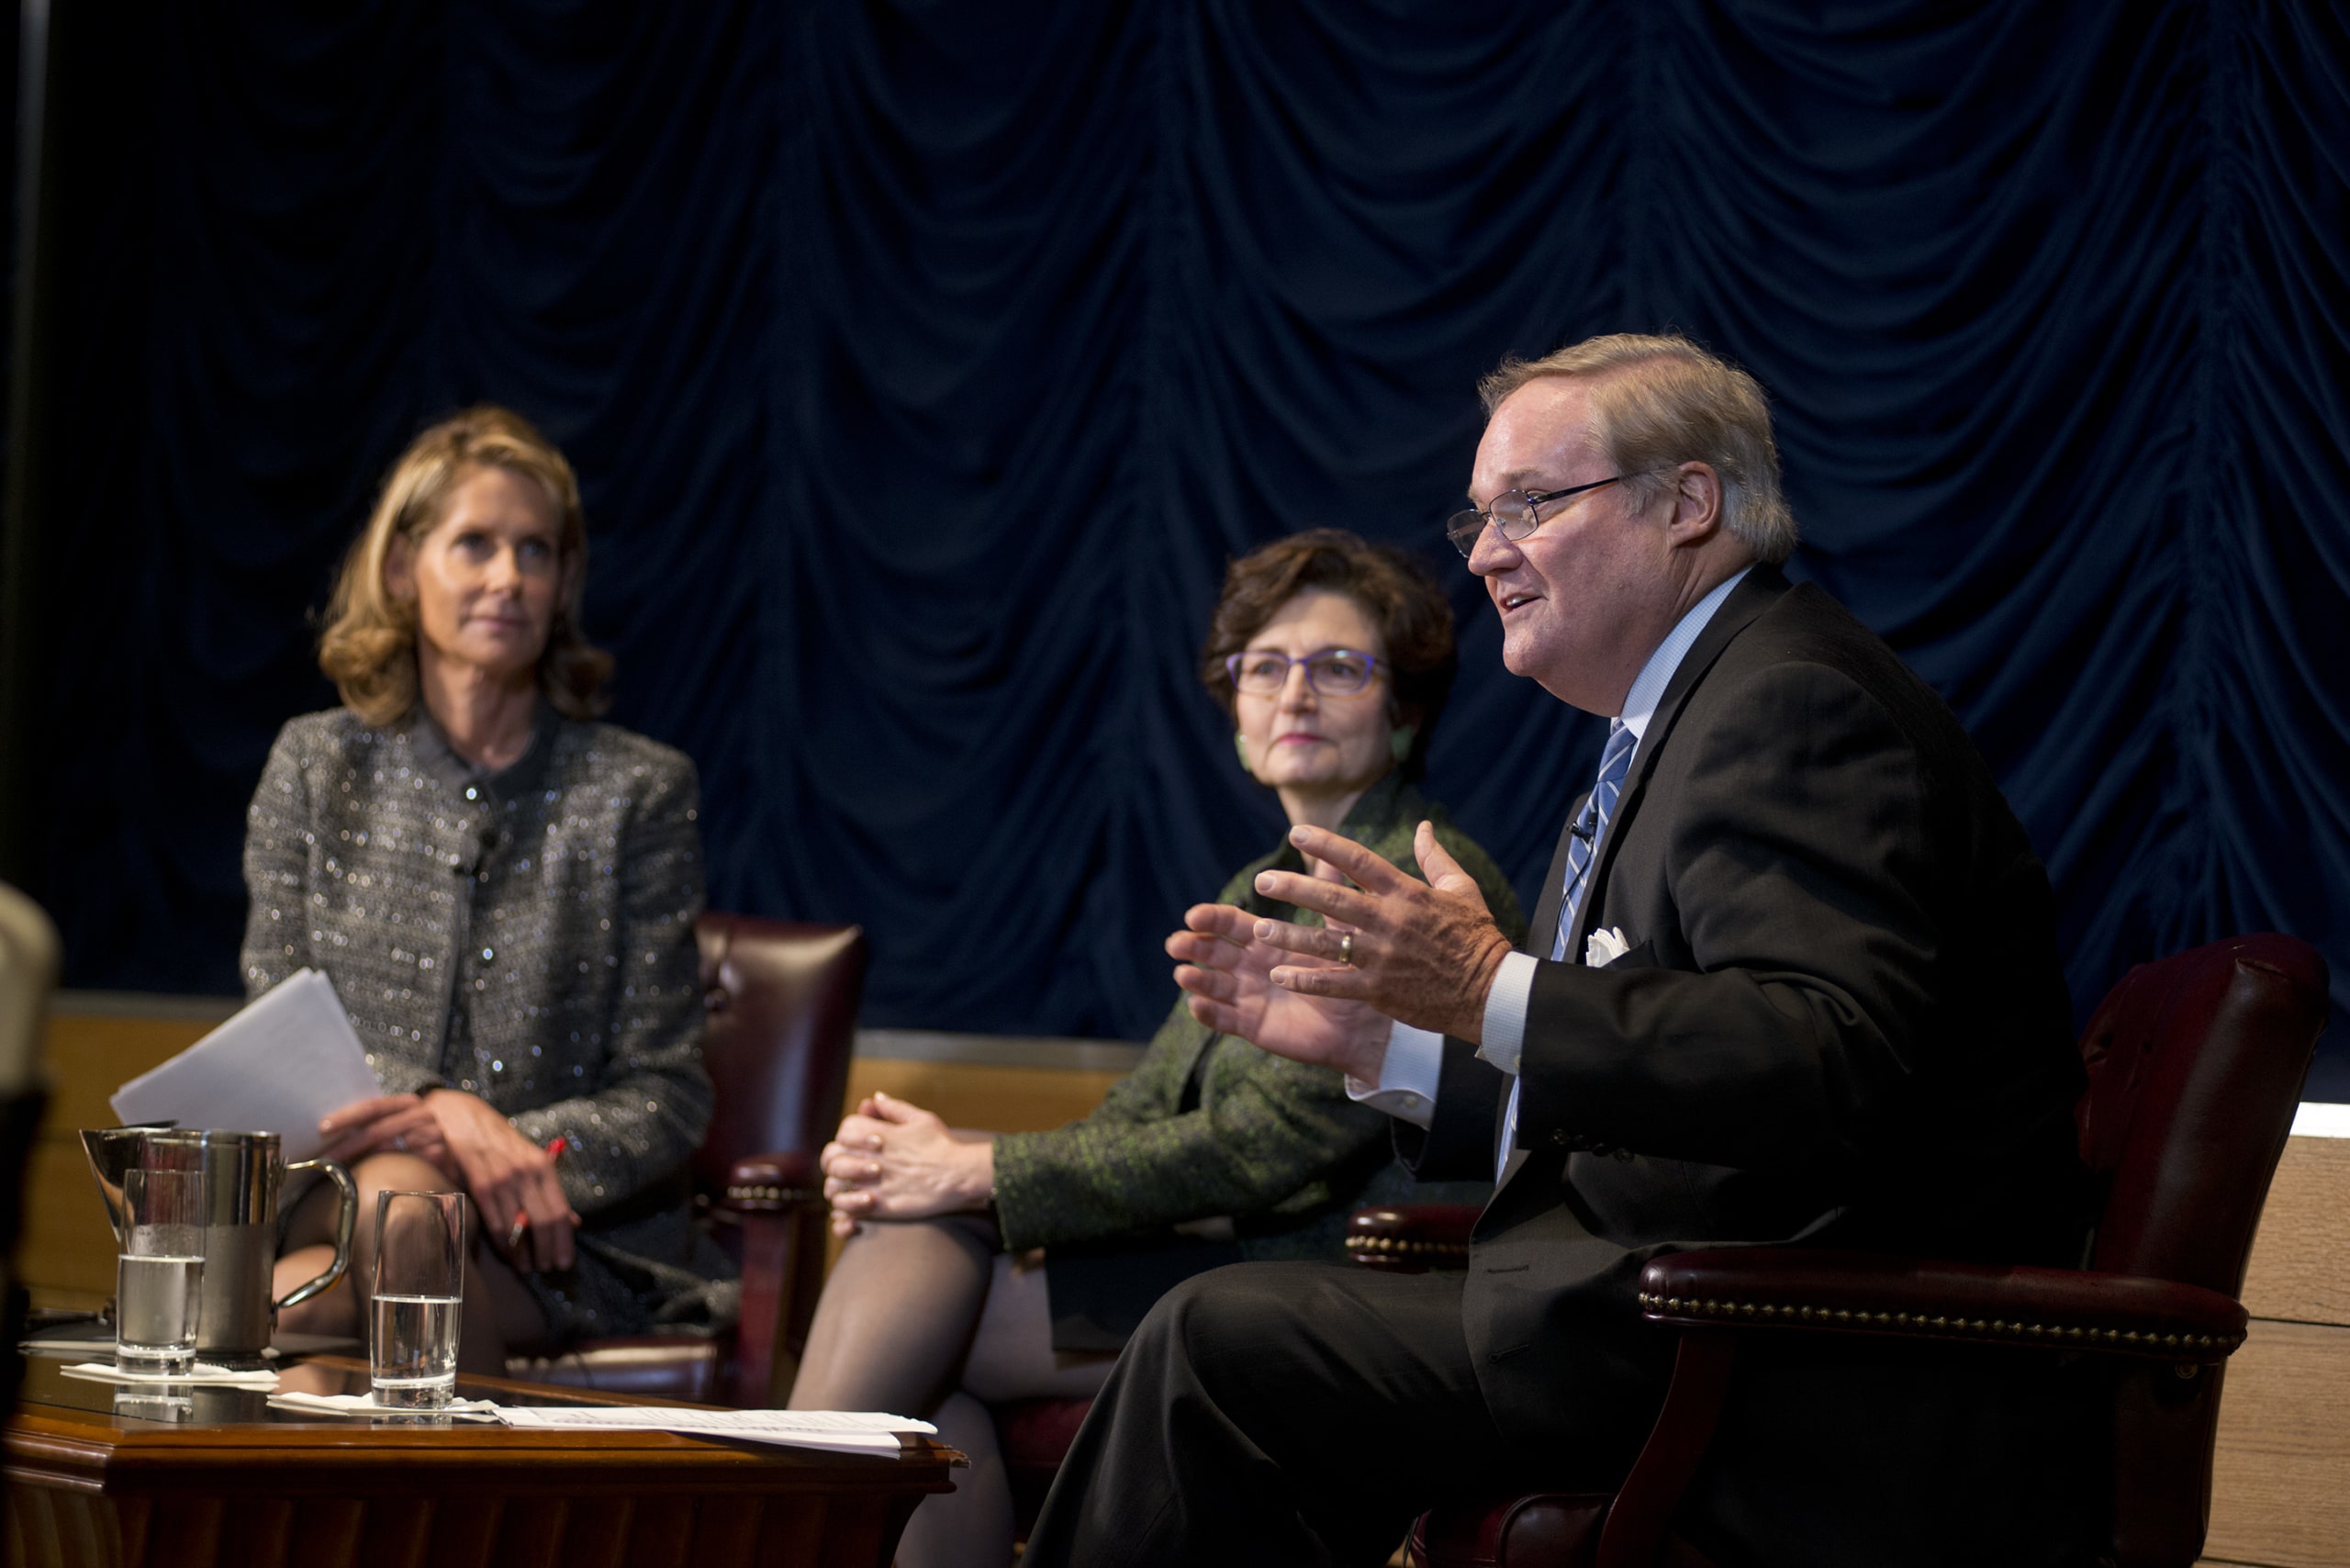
(1794, 979)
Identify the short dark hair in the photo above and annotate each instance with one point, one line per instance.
(1399, 594)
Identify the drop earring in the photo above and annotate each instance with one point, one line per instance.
(1241, 744)
(1399, 742)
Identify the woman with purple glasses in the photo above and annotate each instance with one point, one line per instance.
(982, 1268)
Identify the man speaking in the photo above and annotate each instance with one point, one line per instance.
(1794, 979)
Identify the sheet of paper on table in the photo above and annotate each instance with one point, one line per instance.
(841, 1431)
(285, 1059)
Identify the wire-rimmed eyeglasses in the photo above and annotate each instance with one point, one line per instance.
(1332, 672)
(1512, 512)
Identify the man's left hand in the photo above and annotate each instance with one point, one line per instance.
(1425, 953)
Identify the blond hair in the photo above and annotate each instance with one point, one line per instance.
(1661, 401)
(368, 648)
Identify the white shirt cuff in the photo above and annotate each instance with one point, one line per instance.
(1504, 1039)
(1407, 1079)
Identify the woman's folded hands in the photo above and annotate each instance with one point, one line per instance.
(892, 1161)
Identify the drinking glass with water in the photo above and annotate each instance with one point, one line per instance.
(158, 1273)
(420, 1286)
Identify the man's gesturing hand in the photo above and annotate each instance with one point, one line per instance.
(1422, 952)
(1227, 971)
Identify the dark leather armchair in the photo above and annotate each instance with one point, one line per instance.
(782, 999)
(2195, 1070)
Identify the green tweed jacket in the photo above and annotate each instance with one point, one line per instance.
(1207, 1125)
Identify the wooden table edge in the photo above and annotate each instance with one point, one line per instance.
(90, 1452)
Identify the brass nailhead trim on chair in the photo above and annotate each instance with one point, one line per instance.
(1407, 1245)
(769, 1195)
(1918, 1322)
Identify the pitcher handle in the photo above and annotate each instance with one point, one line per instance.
(342, 1179)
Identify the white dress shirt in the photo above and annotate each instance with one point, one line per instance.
(1407, 1080)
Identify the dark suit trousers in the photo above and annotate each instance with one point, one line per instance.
(1303, 1413)
(1278, 1413)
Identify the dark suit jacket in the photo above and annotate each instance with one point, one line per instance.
(1841, 1020)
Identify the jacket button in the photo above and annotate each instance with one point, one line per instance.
(1559, 1137)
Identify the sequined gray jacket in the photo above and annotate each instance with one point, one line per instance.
(525, 935)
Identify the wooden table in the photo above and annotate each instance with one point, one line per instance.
(231, 1482)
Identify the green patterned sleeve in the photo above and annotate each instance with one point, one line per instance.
(1272, 1128)
(1266, 1130)
(1155, 1088)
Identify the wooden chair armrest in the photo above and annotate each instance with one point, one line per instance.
(767, 1182)
(1862, 1292)
(1412, 1238)
(1725, 1294)
(776, 1204)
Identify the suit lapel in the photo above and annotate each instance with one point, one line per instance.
(1760, 588)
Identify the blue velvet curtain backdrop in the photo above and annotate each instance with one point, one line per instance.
(924, 363)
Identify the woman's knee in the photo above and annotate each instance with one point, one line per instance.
(392, 1171)
(333, 1311)
(314, 1219)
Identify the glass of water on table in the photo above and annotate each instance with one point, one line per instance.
(419, 1292)
(158, 1273)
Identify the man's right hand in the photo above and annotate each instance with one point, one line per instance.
(1227, 973)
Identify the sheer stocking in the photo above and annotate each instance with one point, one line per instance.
(928, 1317)
(896, 1315)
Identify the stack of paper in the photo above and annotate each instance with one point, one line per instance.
(842, 1431)
(286, 1060)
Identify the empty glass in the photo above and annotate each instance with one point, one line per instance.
(159, 1270)
(419, 1287)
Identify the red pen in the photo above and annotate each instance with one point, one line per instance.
(522, 1220)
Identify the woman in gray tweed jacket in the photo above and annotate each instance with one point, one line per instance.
(503, 893)
(1333, 658)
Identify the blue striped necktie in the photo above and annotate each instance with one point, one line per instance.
(1614, 764)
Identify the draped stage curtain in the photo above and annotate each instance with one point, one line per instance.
(924, 364)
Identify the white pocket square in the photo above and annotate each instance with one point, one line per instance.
(1603, 947)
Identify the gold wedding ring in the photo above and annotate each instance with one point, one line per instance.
(1345, 948)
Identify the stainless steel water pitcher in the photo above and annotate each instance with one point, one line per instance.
(246, 1174)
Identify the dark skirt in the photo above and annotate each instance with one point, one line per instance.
(1102, 1290)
